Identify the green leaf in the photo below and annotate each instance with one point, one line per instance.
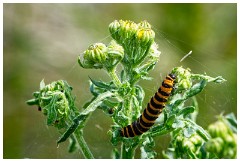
(94, 90)
(77, 122)
(196, 88)
(33, 102)
(185, 111)
(51, 114)
(102, 85)
(170, 120)
(218, 79)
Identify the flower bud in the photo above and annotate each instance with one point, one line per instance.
(114, 29)
(196, 140)
(218, 129)
(93, 57)
(184, 78)
(187, 144)
(123, 31)
(99, 56)
(128, 29)
(145, 36)
(230, 140)
(144, 24)
(185, 84)
(215, 145)
(223, 142)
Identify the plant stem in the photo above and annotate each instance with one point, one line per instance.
(127, 153)
(113, 75)
(82, 144)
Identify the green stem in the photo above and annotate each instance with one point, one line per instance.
(82, 144)
(127, 153)
(113, 75)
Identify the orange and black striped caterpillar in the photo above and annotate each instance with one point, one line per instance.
(153, 110)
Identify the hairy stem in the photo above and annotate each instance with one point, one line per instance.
(113, 75)
(82, 144)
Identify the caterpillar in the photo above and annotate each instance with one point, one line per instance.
(153, 110)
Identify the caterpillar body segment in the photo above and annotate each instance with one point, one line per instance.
(152, 111)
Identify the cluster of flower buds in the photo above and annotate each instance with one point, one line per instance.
(183, 78)
(224, 141)
(99, 56)
(136, 39)
(55, 101)
(189, 146)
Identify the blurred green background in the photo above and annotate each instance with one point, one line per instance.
(42, 41)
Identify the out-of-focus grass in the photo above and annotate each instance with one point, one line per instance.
(44, 40)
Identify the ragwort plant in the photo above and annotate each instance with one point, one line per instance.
(133, 47)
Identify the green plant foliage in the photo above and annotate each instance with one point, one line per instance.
(134, 49)
(224, 138)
